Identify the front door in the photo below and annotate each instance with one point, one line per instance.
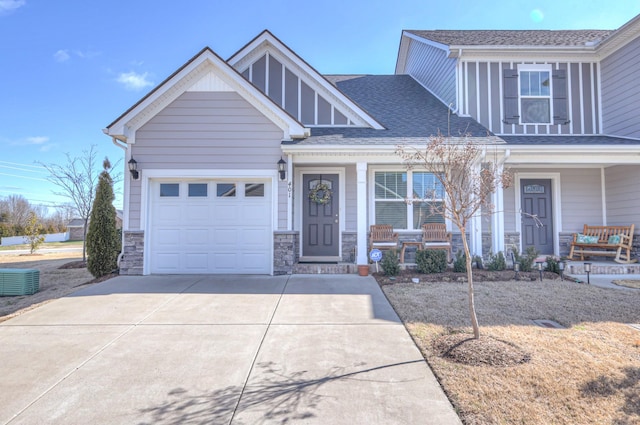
(537, 217)
(320, 234)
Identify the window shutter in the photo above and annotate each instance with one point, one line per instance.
(510, 90)
(560, 115)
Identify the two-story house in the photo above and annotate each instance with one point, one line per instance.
(258, 163)
(567, 104)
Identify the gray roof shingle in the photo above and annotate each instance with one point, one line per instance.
(573, 140)
(560, 38)
(398, 102)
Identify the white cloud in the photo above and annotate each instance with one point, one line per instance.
(37, 140)
(134, 81)
(61, 56)
(11, 5)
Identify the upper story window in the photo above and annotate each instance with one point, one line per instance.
(535, 94)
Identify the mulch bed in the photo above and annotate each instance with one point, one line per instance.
(479, 275)
(463, 348)
(83, 264)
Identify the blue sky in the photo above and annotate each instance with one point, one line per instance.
(68, 68)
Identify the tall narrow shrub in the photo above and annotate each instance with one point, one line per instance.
(102, 236)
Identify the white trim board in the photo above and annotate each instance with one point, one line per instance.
(297, 219)
(556, 207)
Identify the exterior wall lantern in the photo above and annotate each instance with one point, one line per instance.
(133, 169)
(282, 169)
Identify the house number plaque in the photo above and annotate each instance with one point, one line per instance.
(533, 188)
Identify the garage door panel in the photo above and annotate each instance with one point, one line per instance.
(197, 261)
(210, 234)
(226, 237)
(196, 214)
(168, 262)
(195, 237)
(168, 237)
(167, 213)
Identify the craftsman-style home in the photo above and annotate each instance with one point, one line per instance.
(259, 164)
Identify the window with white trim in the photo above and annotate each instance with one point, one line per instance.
(535, 96)
(407, 199)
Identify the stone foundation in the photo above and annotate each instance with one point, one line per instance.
(286, 246)
(131, 261)
(349, 242)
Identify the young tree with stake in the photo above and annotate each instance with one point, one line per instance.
(468, 180)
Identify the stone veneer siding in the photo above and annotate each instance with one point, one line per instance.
(349, 244)
(285, 251)
(131, 261)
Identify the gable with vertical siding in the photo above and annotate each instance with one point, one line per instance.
(431, 67)
(621, 91)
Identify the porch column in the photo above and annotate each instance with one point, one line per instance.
(361, 220)
(475, 231)
(497, 219)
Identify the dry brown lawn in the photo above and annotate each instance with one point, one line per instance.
(588, 373)
(54, 282)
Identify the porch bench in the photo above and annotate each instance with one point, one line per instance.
(382, 236)
(435, 236)
(614, 241)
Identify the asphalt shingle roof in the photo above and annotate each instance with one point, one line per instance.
(398, 102)
(542, 140)
(566, 38)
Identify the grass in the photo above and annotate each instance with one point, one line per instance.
(588, 373)
(44, 245)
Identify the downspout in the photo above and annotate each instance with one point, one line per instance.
(119, 144)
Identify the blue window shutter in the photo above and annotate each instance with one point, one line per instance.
(560, 114)
(510, 90)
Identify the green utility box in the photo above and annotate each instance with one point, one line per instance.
(19, 282)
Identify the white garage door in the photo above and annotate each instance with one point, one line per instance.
(218, 226)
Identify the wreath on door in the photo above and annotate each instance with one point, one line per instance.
(321, 194)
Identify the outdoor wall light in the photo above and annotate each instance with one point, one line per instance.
(133, 169)
(587, 269)
(282, 169)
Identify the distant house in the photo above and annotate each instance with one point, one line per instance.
(76, 227)
(256, 163)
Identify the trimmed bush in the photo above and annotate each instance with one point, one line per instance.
(527, 259)
(552, 265)
(390, 263)
(497, 262)
(431, 261)
(460, 263)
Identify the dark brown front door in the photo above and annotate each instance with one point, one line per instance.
(537, 217)
(320, 234)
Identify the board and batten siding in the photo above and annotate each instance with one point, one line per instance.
(431, 67)
(207, 130)
(623, 202)
(621, 91)
(482, 91)
(293, 94)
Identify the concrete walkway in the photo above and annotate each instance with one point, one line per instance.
(217, 350)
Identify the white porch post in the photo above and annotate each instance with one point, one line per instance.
(289, 192)
(475, 232)
(361, 196)
(497, 219)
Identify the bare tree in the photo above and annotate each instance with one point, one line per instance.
(77, 180)
(468, 180)
(18, 209)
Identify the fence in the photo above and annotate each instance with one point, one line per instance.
(20, 240)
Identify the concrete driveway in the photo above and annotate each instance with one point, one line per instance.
(217, 350)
